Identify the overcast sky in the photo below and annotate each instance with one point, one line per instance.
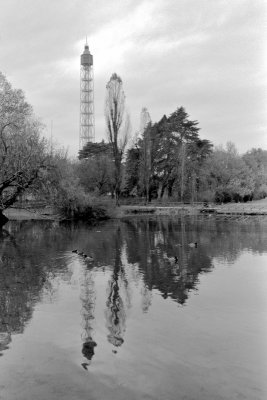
(206, 55)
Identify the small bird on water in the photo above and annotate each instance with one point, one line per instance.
(82, 254)
(86, 257)
(192, 244)
(85, 366)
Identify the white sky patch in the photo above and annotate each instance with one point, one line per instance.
(68, 66)
(114, 40)
(163, 45)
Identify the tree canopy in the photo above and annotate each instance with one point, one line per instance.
(95, 149)
(23, 152)
(168, 155)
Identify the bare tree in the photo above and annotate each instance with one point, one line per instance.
(22, 152)
(118, 126)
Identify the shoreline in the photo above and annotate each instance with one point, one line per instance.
(24, 214)
(257, 207)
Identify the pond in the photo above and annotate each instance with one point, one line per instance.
(165, 308)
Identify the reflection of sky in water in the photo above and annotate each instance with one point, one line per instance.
(179, 326)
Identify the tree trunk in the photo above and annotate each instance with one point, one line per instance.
(162, 190)
(3, 219)
(182, 171)
(117, 177)
(117, 195)
(147, 191)
(170, 187)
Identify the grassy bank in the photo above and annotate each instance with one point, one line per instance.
(258, 207)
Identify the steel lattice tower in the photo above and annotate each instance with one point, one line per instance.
(87, 125)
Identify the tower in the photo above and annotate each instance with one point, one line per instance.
(87, 126)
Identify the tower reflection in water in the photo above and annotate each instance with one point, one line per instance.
(88, 299)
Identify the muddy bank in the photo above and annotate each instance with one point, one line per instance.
(18, 214)
(51, 213)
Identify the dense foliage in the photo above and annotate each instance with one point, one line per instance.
(167, 159)
(23, 152)
(171, 160)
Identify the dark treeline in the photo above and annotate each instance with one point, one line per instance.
(170, 160)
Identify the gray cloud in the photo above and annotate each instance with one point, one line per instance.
(207, 56)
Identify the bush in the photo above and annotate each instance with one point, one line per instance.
(74, 203)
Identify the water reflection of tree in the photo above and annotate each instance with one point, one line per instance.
(21, 282)
(115, 312)
(157, 242)
(226, 238)
(28, 263)
(153, 243)
(146, 298)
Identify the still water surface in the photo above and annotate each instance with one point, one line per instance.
(134, 323)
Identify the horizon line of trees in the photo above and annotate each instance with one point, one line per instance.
(167, 159)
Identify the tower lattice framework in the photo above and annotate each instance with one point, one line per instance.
(87, 123)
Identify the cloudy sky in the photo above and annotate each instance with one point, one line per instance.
(207, 55)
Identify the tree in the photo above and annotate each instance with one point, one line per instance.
(96, 170)
(256, 160)
(230, 177)
(23, 153)
(132, 164)
(61, 186)
(168, 158)
(185, 131)
(95, 149)
(96, 174)
(199, 152)
(118, 126)
(175, 147)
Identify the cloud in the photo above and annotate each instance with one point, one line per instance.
(207, 56)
